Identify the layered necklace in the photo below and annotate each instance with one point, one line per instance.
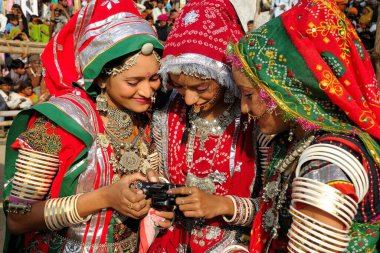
(202, 128)
(127, 157)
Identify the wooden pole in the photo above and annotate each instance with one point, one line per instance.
(376, 52)
(21, 47)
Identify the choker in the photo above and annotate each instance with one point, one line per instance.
(120, 122)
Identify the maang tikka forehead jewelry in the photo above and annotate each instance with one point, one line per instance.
(146, 49)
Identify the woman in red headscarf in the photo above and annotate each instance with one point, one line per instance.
(71, 161)
(306, 78)
(204, 141)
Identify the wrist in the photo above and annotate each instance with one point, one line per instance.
(226, 206)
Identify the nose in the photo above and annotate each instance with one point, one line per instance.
(244, 106)
(191, 97)
(145, 90)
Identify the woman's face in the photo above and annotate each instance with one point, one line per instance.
(134, 88)
(252, 103)
(197, 92)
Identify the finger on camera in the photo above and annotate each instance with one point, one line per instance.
(165, 224)
(193, 214)
(183, 190)
(184, 200)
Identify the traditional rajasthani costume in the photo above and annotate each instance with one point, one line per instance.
(60, 149)
(311, 64)
(216, 156)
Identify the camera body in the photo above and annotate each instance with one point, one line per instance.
(161, 200)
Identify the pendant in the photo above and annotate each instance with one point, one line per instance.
(129, 162)
(268, 219)
(115, 178)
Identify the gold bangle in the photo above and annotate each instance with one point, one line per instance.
(45, 169)
(37, 160)
(43, 154)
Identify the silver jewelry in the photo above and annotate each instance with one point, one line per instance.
(120, 122)
(101, 102)
(147, 49)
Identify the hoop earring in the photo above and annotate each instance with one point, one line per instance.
(101, 102)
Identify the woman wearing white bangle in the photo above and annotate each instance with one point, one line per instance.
(71, 161)
(306, 78)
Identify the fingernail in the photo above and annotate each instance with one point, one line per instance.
(169, 191)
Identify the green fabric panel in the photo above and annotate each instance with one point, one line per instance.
(124, 47)
(69, 183)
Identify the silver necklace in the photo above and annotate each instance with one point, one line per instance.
(120, 122)
(203, 128)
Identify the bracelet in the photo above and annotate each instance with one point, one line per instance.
(16, 208)
(235, 210)
(63, 212)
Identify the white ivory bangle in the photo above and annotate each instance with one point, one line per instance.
(359, 187)
(235, 210)
(332, 209)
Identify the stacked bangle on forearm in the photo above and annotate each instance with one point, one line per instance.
(33, 177)
(62, 212)
(309, 235)
(244, 210)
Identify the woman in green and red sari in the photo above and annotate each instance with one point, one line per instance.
(70, 161)
(306, 78)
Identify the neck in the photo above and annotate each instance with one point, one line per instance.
(299, 133)
(218, 108)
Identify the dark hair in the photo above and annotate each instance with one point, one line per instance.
(6, 80)
(148, 17)
(32, 17)
(12, 17)
(17, 64)
(24, 85)
(250, 22)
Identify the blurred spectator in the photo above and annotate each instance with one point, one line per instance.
(59, 17)
(173, 15)
(366, 17)
(26, 91)
(352, 15)
(18, 72)
(139, 6)
(149, 18)
(250, 26)
(3, 23)
(3, 105)
(35, 72)
(38, 30)
(23, 22)
(64, 6)
(158, 10)
(280, 6)
(162, 27)
(13, 100)
(13, 29)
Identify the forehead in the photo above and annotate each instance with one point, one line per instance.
(187, 80)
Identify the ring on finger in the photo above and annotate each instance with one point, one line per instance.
(130, 205)
(190, 191)
(182, 202)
